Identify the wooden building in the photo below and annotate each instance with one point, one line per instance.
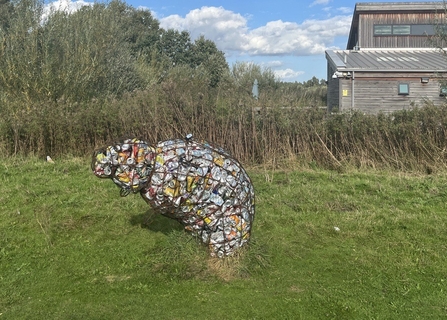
(390, 62)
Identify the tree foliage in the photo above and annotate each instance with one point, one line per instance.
(69, 81)
(6, 11)
(95, 51)
(205, 54)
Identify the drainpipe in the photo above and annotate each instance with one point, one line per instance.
(352, 90)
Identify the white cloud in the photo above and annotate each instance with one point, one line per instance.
(224, 27)
(144, 8)
(230, 32)
(272, 64)
(341, 10)
(287, 74)
(319, 2)
(63, 5)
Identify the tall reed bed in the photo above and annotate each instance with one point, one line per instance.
(260, 131)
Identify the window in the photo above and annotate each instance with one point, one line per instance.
(423, 29)
(401, 29)
(443, 91)
(407, 29)
(380, 30)
(403, 89)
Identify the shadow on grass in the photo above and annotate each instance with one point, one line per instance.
(156, 222)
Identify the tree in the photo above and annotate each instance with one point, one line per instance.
(175, 46)
(176, 49)
(19, 48)
(78, 56)
(244, 74)
(138, 28)
(6, 11)
(206, 55)
(99, 50)
(312, 82)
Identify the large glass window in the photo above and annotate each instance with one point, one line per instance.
(406, 29)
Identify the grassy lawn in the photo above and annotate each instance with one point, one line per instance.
(325, 245)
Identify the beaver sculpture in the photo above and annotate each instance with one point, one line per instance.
(195, 183)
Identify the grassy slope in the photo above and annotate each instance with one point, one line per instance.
(71, 248)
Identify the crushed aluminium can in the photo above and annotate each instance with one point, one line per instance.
(195, 183)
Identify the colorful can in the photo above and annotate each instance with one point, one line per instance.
(199, 185)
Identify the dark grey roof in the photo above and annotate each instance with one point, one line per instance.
(399, 6)
(388, 60)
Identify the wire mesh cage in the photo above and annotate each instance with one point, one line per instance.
(195, 183)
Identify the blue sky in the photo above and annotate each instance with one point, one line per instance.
(288, 36)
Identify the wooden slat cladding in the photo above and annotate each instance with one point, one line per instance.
(333, 94)
(376, 94)
(368, 20)
(401, 42)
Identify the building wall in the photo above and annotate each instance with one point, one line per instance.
(346, 94)
(333, 102)
(367, 21)
(373, 92)
(379, 92)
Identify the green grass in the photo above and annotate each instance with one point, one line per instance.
(71, 248)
